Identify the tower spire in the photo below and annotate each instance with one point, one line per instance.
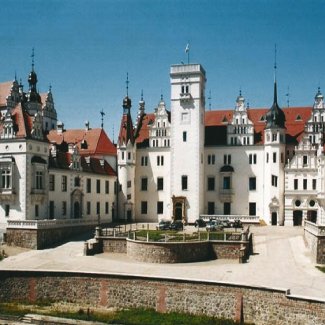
(275, 99)
(127, 84)
(102, 113)
(33, 56)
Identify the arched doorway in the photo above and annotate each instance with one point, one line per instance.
(297, 218)
(76, 210)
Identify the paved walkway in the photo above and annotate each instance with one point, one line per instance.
(280, 261)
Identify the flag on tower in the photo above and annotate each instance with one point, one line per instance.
(187, 49)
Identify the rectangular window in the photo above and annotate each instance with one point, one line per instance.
(295, 183)
(144, 207)
(64, 208)
(144, 184)
(64, 183)
(227, 159)
(267, 157)
(51, 182)
(211, 159)
(252, 183)
(88, 207)
(160, 184)
(77, 181)
(144, 161)
(274, 157)
(184, 182)
(252, 208)
(314, 184)
(210, 208)
(7, 210)
(98, 186)
(129, 155)
(160, 160)
(39, 180)
(129, 184)
(98, 207)
(252, 159)
(305, 184)
(88, 185)
(211, 183)
(227, 208)
(184, 136)
(305, 160)
(36, 211)
(226, 183)
(6, 178)
(160, 207)
(274, 180)
(106, 187)
(106, 208)
(282, 158)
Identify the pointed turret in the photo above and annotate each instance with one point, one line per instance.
(275, 117)
(141, 114)
(319, 100)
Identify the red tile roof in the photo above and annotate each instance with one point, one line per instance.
(62, 160)
(216, 125)
(96, 141)
(126, 130)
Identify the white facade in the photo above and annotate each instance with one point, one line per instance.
(236, 162)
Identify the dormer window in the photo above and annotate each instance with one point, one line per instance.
(298, 118)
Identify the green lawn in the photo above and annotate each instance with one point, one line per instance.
(125, 317)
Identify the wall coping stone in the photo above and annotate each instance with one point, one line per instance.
(47, 273)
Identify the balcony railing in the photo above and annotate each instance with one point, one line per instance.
(48, 224)
(231, 217)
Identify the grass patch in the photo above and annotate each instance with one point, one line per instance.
(177, 236)
(126, 317)
(321, 268)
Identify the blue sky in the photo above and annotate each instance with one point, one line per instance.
(84, 48)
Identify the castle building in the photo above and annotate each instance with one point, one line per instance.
(188, 162)
(47, 172)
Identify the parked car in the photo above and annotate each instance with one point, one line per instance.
(176, 225)
(163, 225)
(237, 224)
(214, 225)
(226, 223)
(200, 223)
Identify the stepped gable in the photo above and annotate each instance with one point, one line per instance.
(23, 122)
(5, 88)
(143, 136)
(95, 141)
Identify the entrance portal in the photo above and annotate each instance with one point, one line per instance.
(179, 212)
(297, 218)
(76, 210)
(274, 218)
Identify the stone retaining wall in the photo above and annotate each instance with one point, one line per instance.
(179, 252)
(251, 304)
(43, 238)
(170, 252)
(316, 245)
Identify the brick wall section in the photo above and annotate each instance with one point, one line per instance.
(256, 305)
(42, 238)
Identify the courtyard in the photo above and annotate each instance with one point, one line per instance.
(280, 260)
